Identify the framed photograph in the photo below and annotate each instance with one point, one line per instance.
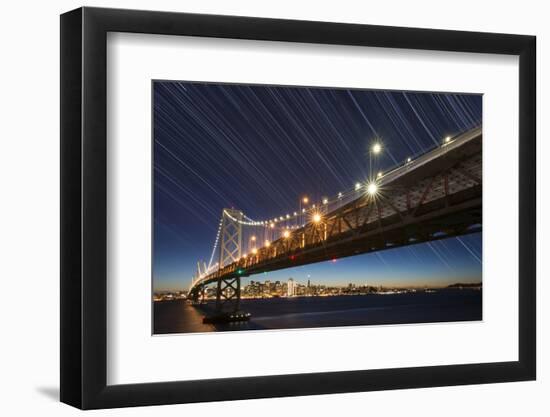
(258, 208)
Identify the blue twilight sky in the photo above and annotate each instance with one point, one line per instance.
(261, 148)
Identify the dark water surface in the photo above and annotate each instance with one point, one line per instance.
(303, 312)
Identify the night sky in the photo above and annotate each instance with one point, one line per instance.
(260, 149)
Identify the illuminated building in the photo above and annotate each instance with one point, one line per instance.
(291, 288)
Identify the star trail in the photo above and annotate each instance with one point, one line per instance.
(260, 149)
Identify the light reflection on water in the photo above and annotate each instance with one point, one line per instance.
(306, 312)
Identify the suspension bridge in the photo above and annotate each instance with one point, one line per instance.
(434, 196)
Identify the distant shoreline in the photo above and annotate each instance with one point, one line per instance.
(168, 296)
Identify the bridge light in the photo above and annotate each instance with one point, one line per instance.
(339, 195)
(379, 174)
(253, 238)
(281, 218)
(239, 271)
(409, 159)
(305, 200)
(303, 210)
(267, 243)
(316, 218)
(357, 186)
(244, 255)
(272, 225)
(325, 200)
(254, 251)
(288, 216)
(286, 234)
(376, 148)
(295, 214)
(372, 188)
(447, 139)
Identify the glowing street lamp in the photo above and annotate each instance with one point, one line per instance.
(376, 148)
(357, 186)
(409, 159)
(253, 238)
(316, 218)
(267, 243)
(447, 139)
(254, 251)
(379, 174)
(372, 188)
(286, 234)
(304, 200)
(325, 200)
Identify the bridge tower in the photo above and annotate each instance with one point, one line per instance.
(228, 294)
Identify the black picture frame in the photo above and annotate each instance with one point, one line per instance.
(84, 207)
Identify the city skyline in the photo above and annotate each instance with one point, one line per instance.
(313, 284)
(262, 148)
